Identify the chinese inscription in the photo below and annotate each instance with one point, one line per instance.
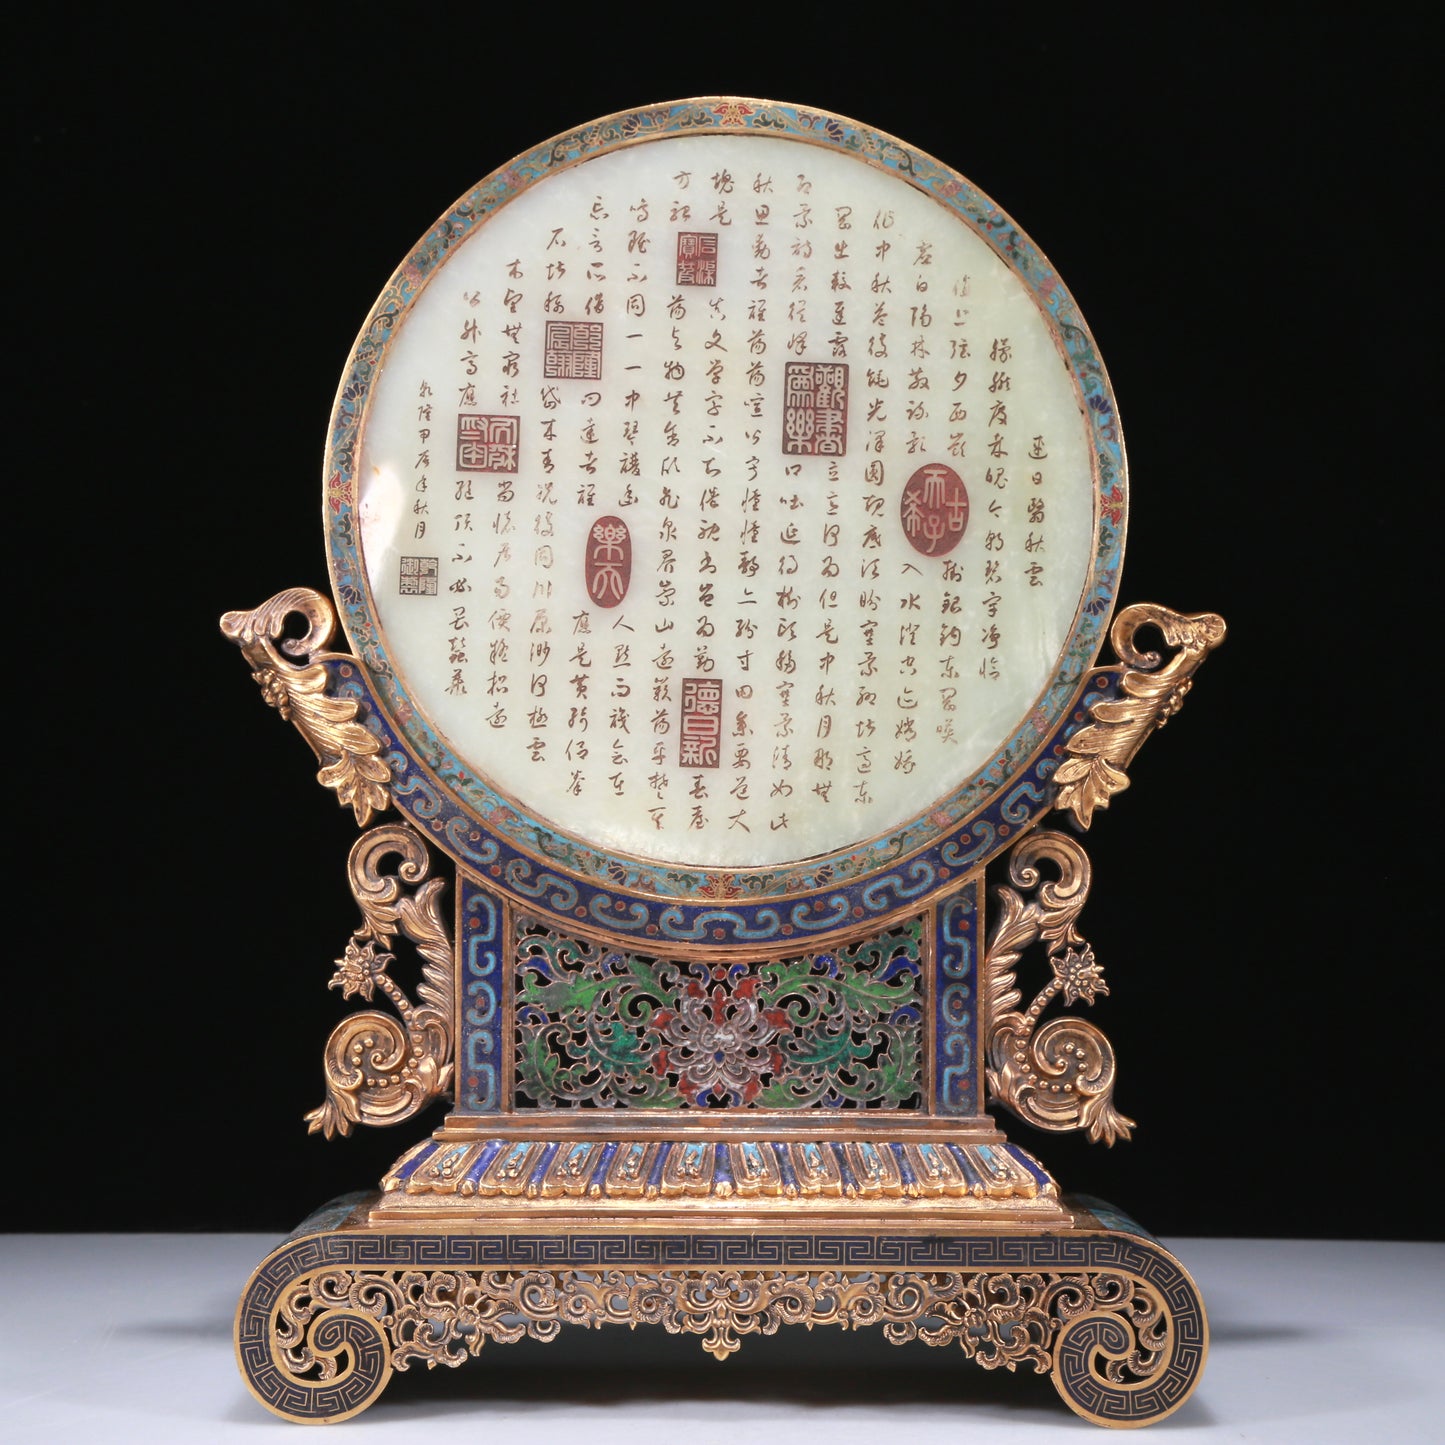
(609, 561)
(697, 258)
(934, 510)
(701, 722)
(418, 577)
(815, 410)
(777, 566)
(573, 349)
(486, 443)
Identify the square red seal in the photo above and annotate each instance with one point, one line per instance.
(573, 350)
(418, 577)
(486, 443)
(697, 258)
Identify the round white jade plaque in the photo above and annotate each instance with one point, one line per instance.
(725, 500)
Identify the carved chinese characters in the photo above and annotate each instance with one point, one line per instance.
(486, 443)
(702, 705)
(770, 508)
(815, 409)
(697, 258)
(609, 561)
(934, 510)
(418, 577)
(573, 349)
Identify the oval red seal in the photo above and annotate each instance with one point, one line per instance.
(934, 509)
(609, 561)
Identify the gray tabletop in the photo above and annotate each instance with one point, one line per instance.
(128, 1337)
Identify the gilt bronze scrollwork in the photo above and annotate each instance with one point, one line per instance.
(380, 1069)
(348, 753)
(1150, 694)
(1061, 1075)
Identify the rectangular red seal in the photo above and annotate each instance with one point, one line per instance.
(815, 409)
(701, 743)
(697, 258)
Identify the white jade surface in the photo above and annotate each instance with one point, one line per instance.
(572, 709)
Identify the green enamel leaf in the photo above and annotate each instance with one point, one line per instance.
(613, 1047)
(897, 1075)
(865, 994)
(653, 1093)
(790, 1093)
(537, 1068)
(561, 996)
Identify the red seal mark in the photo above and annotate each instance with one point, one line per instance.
(697, 258)
(815, 408)
(701, 741)
(487, 443)
(609, 561)
(934, 510)
(573, 350)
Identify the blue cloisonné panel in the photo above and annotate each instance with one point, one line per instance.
(480, 1048)
(957, 1045)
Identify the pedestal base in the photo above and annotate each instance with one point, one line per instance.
(1099, 1304)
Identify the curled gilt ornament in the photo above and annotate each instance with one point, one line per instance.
(380, 1068)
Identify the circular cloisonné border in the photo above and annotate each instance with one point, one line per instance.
(543, 840)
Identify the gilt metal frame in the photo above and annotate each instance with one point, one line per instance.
(650, 1124)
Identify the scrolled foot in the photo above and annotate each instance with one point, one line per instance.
(332, 1370)
(1135, 1360)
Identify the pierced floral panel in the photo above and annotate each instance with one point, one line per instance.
(599, 1027)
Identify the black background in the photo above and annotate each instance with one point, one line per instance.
(206, 216)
